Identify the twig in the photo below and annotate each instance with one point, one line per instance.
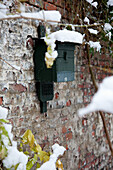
(90, 68)
(21, 17)
(10, 65)
(106, 132)
(103, 69)
(58, 22)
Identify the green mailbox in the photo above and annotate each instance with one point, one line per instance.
(61, 71)
(63, 68)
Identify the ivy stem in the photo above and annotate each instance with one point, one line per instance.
(96, 88)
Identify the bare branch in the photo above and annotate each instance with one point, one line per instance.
(96, 88)
(10, 65)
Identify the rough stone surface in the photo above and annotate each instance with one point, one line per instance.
(84, 138)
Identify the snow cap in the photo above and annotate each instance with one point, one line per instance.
(67, 36)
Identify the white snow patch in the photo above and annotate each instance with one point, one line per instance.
(2, 6)
(14, 157)
(102, 100)
(92, 31)
(92, 3)
(3, 113)
(62, 36)
(53, 55)
(107, 27)
(46, 15)
(67, 36)
(41, 15)
(109, 35)
(110, 3)
(57, 151)
(95, 45)
(17, 67)
(8, 128)
(86, 20)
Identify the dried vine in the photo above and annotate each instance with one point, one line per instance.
(96, 88)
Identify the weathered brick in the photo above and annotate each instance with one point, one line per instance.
(56, 95)
(1, 100)
(64, 130)
(69, 136)
(17, 88)
(84, 122)
(48, 6)
(58, 2)
(50, 1)
(68, 103)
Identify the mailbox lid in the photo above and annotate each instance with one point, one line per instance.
(65, 46)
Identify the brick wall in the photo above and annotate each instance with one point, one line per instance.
(84, 138)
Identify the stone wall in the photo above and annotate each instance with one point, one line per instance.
(84, 138)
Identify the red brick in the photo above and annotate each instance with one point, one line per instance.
(52, 1)
(58, 2)
(68, 103)
(32, 1)
(83, 69)
(21, 120)
(83, 130)
(84, 122)
(64, 130)
(4, 89)
(56, 95)
(80, 86)
(69, 136)
(85, 92)
(86, 85)
(81, 76)
(64, 119)
(66, 147)
(48, 6)
(88, 166)
(93, 134)
(79, 149)
(1, 100)
(18, 88)
(94, 127)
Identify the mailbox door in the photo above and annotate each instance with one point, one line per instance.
(42, 73)
(65, 62)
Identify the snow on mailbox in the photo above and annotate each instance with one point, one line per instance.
(63, 67)
(54, 61)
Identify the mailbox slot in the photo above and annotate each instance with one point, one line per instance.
(45, 92)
